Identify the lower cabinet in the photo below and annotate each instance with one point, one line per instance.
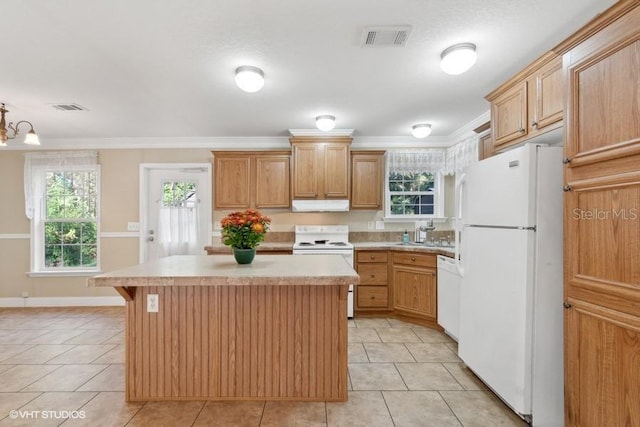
(373, 292)
(397, 282)
(415, 285)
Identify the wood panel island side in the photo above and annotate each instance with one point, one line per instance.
(272, 330)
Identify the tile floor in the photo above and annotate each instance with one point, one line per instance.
(65, 366)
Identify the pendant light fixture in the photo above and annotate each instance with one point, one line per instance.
(249, 79)
(30, 139)
(325, 122)
(421, 130)
(458, 58)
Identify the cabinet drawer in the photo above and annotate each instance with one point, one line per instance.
(373, 274)
(412, 258)
(373, 296)
(371, 256)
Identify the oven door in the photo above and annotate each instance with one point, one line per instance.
(347, 254)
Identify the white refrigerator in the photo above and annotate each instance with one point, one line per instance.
(511, 312)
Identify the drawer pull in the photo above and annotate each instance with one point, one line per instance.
(373, 275)
(373, 297)
(373, 257)
(413, 258)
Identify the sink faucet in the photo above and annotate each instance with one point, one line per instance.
(427, 228)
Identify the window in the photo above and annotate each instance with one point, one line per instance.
(69, 222)
(413, 185)
(64, 205)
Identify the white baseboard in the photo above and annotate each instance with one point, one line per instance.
(62, 302)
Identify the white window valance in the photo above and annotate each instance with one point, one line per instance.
(417, 161)
(50, 160)
(461, 155)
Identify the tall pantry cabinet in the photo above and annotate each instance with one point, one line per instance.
(601, 68)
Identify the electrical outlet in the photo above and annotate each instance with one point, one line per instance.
(370, 225)
(152, 303)
(25, 294)
(379, 225)
(133, 226)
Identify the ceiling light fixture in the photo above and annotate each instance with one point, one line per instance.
(422, 130)
(30, 139)
(458, 58)
(249, 79)
(325, 122)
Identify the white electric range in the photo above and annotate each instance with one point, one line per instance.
(325, 240)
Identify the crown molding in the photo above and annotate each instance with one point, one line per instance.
(252, 142)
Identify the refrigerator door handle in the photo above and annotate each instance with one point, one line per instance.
(458, 222)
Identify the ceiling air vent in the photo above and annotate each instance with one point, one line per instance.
(385, 36)
(69, 107)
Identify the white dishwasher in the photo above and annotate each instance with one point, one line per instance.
(448, 295)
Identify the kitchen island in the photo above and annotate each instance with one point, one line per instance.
(275, 329)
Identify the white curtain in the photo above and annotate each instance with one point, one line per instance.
(461, 155)
(416, 161)
(178, 230)
(36, 162)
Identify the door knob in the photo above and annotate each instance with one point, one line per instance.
(150, 239)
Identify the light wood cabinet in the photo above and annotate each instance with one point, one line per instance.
(373, 291)
(602, 223)
(321, 167)
(246, 179)
(415, 285)
(529, 104)
(367, 179)
(485, 147)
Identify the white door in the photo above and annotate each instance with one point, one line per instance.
(175, 210)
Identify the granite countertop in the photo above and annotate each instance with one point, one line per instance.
(212, 270)
(399, 246)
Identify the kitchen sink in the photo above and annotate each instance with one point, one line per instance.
(422, 245)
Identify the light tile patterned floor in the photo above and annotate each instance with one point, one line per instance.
(72, 359)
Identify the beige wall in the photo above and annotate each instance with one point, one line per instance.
(119, 205)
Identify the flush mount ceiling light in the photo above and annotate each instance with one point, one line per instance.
(30, 139)
(458, 58)
(325, 122)
(422, 130)
(249, 79)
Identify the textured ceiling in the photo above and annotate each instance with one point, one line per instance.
(158, 68)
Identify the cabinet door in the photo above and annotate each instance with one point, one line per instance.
(602, 227)
(336, 171)
(272, 182)
(414, 291)
(509, 115)
(232, 177)
(548, 95)
(485, 148)
(305, 170)
(366, 181)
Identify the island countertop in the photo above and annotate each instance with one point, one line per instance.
(207, 270)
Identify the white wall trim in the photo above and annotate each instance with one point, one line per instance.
(15, 236)
(62, 302)
(254, 142)
(119, 234)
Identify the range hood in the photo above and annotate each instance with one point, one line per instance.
(320, 205)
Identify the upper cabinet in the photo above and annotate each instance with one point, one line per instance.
(367, 179)
(247, 179)
(321, 167)
(529, 104)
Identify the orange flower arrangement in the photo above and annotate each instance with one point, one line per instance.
(244, 230)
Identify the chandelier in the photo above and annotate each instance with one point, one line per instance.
(30, 139)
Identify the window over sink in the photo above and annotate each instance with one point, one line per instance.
(414, 185)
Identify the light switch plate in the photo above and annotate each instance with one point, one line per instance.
(379, 225)
(370, 225)
(152, 303)
(133, 226)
